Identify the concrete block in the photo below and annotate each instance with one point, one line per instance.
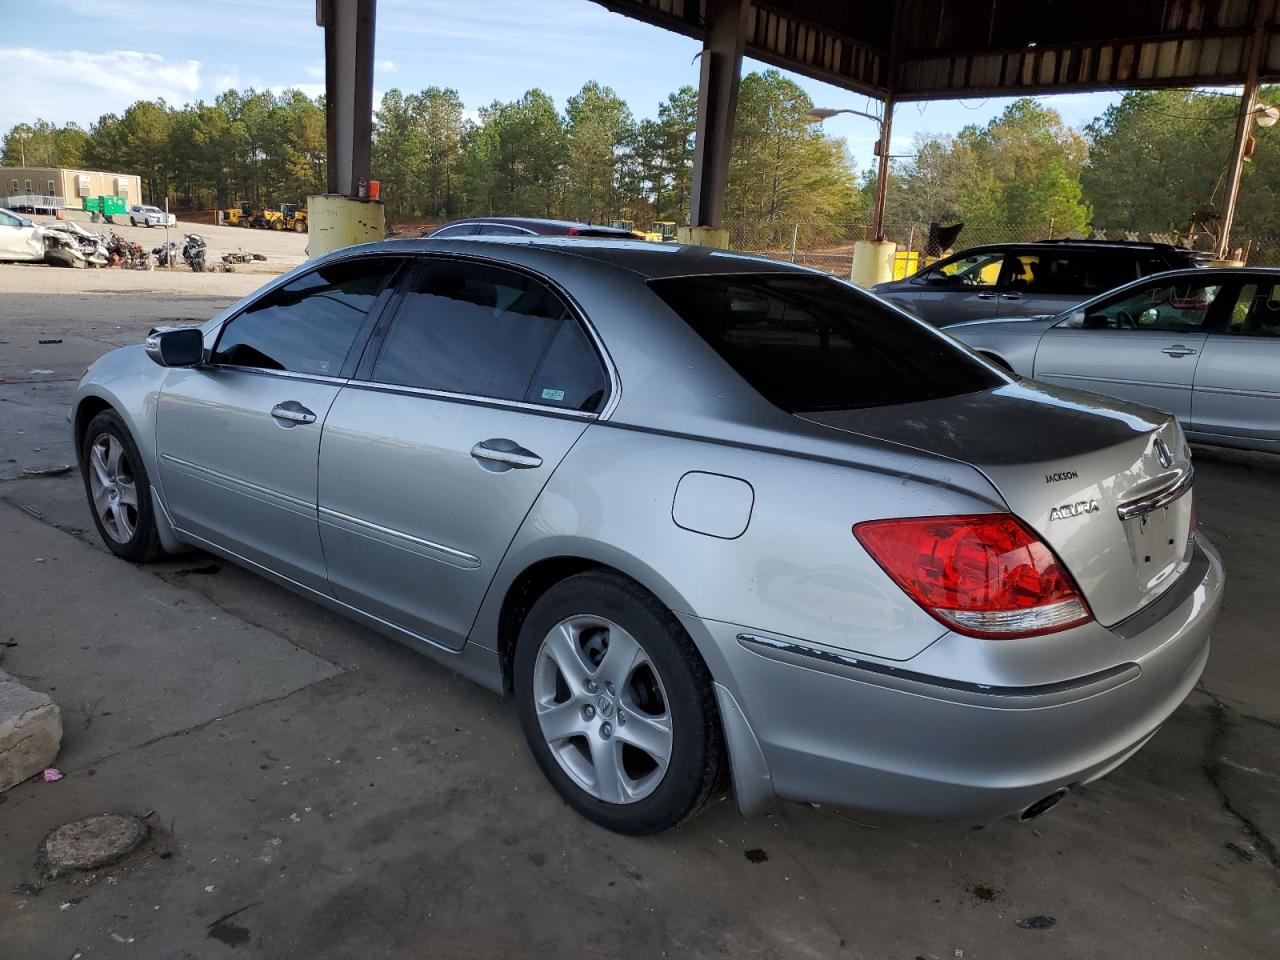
(30, 732)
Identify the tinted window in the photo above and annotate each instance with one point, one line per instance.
(967, 270)
(1047, 272)
(1174, 307)
(810, 343)
(9, 220)
(310, 324)
(501, 230)
(1256, 312)
(483, 331)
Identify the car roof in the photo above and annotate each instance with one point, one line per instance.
(637, 257)
(539, 225)
(1069, 242)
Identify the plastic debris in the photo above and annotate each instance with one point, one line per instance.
(1036, 923)
(49, 341)
(51, 774)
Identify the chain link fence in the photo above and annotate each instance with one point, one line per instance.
(828, 246)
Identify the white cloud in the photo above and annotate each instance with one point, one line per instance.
(387, 66)
(79, 85)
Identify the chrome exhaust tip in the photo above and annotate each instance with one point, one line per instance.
(1043, 805)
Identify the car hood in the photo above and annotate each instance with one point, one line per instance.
(1066, 462)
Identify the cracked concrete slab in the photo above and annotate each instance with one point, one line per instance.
(30, 731)
(124, 653)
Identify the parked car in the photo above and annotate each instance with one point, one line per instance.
(150, 216)
(1201, 344)
(526, 227)
(1027, 279)
(20, 237)
(709, 518)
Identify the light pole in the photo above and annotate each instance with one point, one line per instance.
(885, 124)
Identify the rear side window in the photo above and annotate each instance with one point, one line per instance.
(310, 324)
(483, 331)
(810, 343)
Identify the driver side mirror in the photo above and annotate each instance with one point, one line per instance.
(26, 222)
(176, 347)
(1096, 321)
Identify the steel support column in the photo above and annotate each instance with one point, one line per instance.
(1244, 121)
(882, 168)
(348, 70)
(721, 73)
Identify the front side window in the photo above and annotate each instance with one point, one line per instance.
(484, 331)
(1172, 307)
(8, 220)
(1256, 312)
(808, 343)
(967, 270)
(502, 230)
(310, 324)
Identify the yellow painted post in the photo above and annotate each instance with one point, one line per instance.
(873, 262)
(334, 222)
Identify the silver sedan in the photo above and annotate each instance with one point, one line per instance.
(1201, 344)
(712, 521)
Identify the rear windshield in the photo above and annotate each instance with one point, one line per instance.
(809, 343)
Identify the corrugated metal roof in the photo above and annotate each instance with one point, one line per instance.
(925, 49)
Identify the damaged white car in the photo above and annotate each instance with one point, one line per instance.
(20, 237)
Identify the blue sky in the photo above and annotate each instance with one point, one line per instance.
(105, 54)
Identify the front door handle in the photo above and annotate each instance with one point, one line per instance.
(501, 454)
(986, 296)
(1010, 296)
(1178, 350)
(291, 413)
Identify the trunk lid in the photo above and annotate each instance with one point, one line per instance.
(1105, 483)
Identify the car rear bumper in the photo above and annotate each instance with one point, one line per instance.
(826, 726)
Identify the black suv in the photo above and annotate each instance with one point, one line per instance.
(1028, 279)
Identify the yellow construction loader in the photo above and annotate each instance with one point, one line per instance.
(288, 217)
(240, 215)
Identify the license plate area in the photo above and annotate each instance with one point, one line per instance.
(1159, 543)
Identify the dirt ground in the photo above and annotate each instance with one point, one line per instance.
(316, 791)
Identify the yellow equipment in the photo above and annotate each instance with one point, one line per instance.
(662, 230)
(288, 217)
(238, 216)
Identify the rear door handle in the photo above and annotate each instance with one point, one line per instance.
(291, 413)
(986, 296)
(1010, 296)
(501, 454)
(1178, 350)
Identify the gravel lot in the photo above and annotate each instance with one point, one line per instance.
(316, 791)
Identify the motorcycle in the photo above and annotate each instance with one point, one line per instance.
(166, 253)
(194, 251)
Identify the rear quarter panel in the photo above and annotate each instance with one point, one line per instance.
(796, 570)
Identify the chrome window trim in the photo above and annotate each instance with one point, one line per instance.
(286, 374)
(472, 398)
(575, 310)
(1180, 482)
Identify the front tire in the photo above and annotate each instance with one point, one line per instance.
(617, 705)
(133, 222)
(119, 491)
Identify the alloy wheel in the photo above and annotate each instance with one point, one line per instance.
(111, 483)
(602, 709)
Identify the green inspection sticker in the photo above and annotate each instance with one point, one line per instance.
(552, 394)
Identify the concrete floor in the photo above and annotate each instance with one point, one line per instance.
(317, 791)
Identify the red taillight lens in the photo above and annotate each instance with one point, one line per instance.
(985, 575)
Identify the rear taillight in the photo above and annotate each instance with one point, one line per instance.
(985, 575)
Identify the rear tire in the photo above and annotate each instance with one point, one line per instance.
(118, 489)
(597, 727)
